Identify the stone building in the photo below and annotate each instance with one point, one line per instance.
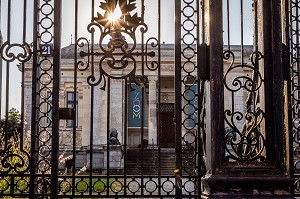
(158, 86)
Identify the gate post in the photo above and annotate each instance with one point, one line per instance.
(215, 91)
(239, 174)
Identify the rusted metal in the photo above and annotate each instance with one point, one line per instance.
(216, 84)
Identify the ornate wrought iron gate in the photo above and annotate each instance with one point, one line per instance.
(106, 141)
(91, 111)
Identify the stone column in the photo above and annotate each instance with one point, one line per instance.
(152, 112)
(116, 107)
(27, 106)
(103, 116)
(96, 119)
(85, 112)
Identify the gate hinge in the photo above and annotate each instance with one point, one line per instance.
(285, 62)
(203, 61)
(66, 113)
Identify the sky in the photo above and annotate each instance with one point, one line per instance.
(167, 30)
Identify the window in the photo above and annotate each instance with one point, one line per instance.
(70, 104)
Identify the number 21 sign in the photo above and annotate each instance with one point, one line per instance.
(46, 50)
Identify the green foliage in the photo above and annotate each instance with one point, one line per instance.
(13, 122)
(14, 159)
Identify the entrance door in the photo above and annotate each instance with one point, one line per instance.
(167, 137)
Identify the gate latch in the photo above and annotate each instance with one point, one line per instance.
(66, 113)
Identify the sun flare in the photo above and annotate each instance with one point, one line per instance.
(116, 15)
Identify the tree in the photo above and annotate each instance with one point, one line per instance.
(13, 122)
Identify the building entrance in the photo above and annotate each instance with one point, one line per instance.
(167, 137)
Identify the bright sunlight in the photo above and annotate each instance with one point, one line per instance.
(116, 15)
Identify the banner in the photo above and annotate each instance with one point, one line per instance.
(135, 107)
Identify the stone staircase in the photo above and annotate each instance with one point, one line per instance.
(150, 162)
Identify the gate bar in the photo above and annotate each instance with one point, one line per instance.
(75, 96)
(55, 101)
(158, 113)
(23, 75)
(34, 101)
(177, 86)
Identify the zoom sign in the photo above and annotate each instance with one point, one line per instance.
(135, 108)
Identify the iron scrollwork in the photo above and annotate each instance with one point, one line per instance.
(117, 54)
(12, 52)
(153, 43)
(13, 157)
(245, 142)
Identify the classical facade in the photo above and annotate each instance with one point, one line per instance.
(134, 110)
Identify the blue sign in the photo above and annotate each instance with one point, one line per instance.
(135, 107)
(46, 50)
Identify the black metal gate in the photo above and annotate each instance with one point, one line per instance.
(100, 79)
(91, 126)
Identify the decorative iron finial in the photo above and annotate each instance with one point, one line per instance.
(113, 20)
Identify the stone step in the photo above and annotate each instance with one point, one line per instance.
(150, 161)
